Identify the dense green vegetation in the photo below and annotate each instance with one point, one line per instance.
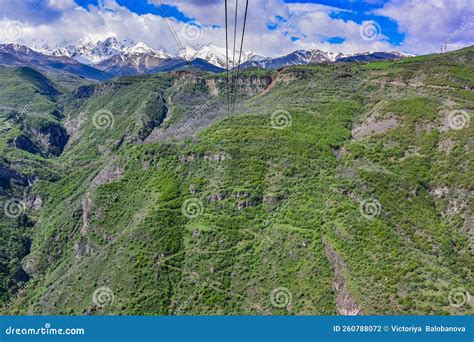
(212, 220)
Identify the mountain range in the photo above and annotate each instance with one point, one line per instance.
(118, 57)
(112, 53)
(22, 56)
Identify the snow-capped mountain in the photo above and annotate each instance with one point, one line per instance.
(306, 57)
(94, 53)
(142, 59)
(127, 57)
(22, 56)
(143, 49)
(299, 57)
(88, 52)
(217, 56)
(373, 56)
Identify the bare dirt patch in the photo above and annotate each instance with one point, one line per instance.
(373, 126)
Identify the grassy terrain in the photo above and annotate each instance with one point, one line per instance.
(215, 220)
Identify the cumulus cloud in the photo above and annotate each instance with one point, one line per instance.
(273, 27)
(430, 24)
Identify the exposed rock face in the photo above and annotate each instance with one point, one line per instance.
(156, 111)
(189, 158)
(55, 138)
(47, 141)
(20, 275)
(184, 78)
(373, 126)
(457, 200)
(220, 196)
(73, 126)
(8, 175)
(88, 91)
(221, 156)
(272, 199)
(31, 264)
(37, 203)
(468, 230)
(246, 204)
(446, 145)
(86, 206)
(246, 84)
(34, 203)
(85, 92)
(424, 127)
(290, 75)
(81, 248)
(212, 85)
(241, 194)
(217, 157)
(345, 304)
(108, 174)
(24, 143)
(252, 85)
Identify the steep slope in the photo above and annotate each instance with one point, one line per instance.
(373, 56)
(138, 63)
(333, 189)
(30, 130)
(19, 55)
(217, 56)
(308, 57)
(125, 57)
(86, 51)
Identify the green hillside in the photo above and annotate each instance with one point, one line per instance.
(331, 189)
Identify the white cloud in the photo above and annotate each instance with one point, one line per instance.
(61, 4)
(426, 24)
(311, 23)
(312, 7)
(429, 24)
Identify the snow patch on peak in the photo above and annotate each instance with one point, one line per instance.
(187, 53)
(139, 48)
(217, 55)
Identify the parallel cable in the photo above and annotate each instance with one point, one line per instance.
(233, 53)
(173, 32)
(227, 57)
(241, 48)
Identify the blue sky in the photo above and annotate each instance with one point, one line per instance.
(359, 11)
(274, 27)
(143, 7)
